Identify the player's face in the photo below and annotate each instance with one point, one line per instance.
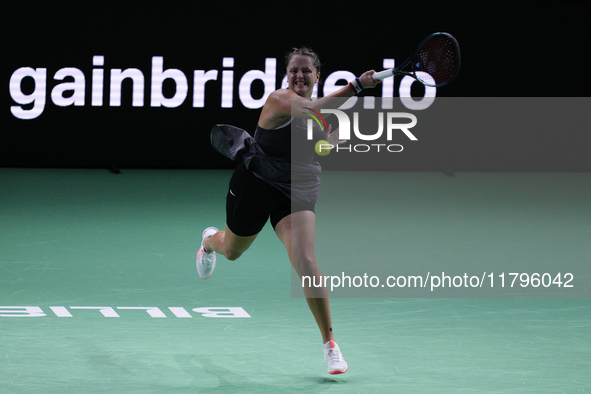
(302, 75)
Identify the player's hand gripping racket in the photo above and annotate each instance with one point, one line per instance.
(436, 62)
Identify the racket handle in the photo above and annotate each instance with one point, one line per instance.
(383, 74)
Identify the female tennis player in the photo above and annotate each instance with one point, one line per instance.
(255, 196)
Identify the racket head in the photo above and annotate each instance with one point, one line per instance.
(438, 55)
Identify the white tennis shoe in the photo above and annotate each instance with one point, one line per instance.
(334, 358)
(206, 261)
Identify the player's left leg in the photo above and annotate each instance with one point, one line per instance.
(297, 232)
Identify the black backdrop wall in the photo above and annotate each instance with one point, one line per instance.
(190, 66)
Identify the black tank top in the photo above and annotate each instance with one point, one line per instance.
(297, 179)
(289, 142)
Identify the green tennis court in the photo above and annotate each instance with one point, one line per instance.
(99, 291)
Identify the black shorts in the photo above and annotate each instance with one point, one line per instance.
(252, 201)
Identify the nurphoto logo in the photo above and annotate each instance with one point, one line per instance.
(367, 126)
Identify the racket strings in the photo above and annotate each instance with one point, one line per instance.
(437, 57)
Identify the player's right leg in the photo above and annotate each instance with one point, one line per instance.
(228, 244)
(225, 242)
(248, 204)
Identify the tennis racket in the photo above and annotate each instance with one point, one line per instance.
(436, 62)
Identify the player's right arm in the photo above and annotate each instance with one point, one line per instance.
(283, 104)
